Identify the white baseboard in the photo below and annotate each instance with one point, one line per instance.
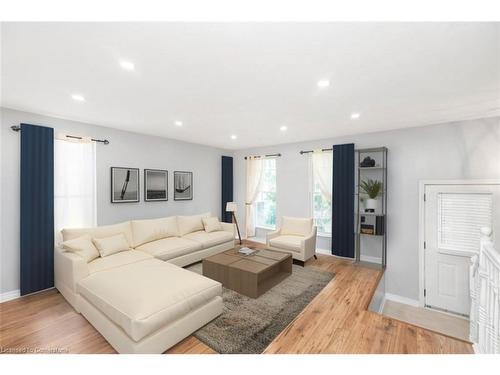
(364, 258)
(382, 304)
(401, 299)
(370, 259)
(7, 296)
(324, 251)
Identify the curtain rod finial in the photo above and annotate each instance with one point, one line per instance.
(16, 128)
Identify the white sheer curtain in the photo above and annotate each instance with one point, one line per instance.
(74, 183)
(254, 177)
(322, 168)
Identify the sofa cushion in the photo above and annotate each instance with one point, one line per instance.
(111, 245)
(82, 246)
(293, 243)
(117, 260)
(188, 224)
(211, 224)
(169, 248)
(100, 232)
(146, 296)
(296, 226)
(210, 239)
(144, 231)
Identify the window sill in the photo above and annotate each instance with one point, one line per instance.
(324, 235)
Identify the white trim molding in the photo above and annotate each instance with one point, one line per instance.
(370, 259)
(324, 252)
(7, 296)
(401, 299)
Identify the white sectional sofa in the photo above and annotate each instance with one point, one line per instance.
(131, 286)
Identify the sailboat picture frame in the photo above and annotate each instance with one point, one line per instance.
(124, 185)
(183, 186)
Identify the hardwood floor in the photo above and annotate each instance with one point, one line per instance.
(336, 321)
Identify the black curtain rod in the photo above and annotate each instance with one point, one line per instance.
(310, 151)
(265, 156)
(104, 141)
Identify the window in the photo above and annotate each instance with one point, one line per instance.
(460, 219)
(321, 188)
(265, 203)
(74, 184)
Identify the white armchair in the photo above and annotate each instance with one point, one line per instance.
(296, 236)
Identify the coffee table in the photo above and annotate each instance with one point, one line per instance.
(250, 275)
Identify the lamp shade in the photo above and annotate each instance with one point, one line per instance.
(231, 206)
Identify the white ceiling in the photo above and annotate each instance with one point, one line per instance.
(249, 79)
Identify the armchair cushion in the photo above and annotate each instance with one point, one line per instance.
(296, 226)
(292, 243)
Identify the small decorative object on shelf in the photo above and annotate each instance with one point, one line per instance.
(367, 162)
(372, 224)
(372, 188)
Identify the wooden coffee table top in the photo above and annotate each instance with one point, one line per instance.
(257, 262)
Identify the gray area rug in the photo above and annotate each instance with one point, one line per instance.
(249, 325)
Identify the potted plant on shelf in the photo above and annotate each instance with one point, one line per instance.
(372, 188)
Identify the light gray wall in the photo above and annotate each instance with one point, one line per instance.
(125, 150)
(461, 150)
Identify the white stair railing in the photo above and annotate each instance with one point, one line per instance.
(485, 296)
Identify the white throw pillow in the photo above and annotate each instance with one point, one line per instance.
(111, 245)
(296, 226)
(83, 247)
(100, 232)
(144, 231)
(189, 224)
(211, 224)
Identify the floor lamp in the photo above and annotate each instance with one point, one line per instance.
(231, 207)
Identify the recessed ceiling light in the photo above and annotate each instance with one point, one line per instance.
(78, 98)
(178, 123)
(355, 116)
(283, 128)
(233, 136)
(323, 83)
(127, 65)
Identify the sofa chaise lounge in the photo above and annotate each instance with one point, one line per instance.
(134, 292)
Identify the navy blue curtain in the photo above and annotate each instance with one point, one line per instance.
(227, 186)
(37, 208)
(343, 201)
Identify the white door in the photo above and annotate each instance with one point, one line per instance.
(454, 215)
